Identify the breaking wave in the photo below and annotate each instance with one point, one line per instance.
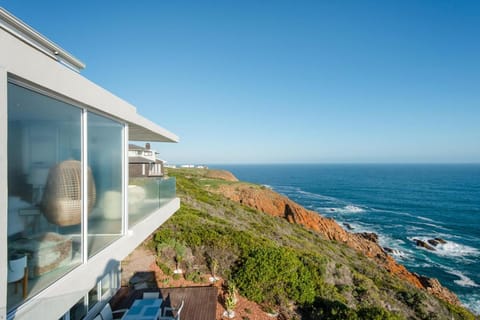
(463, 280)
(450, 248)
(346, 209)
(471, 301)
(316, 196)
(454, 249)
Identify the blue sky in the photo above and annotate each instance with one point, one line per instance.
(285, 81)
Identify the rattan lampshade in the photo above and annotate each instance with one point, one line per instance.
(62, 198)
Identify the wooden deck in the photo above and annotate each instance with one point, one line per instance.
(200, 302)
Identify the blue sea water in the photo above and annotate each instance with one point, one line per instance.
(399, 203)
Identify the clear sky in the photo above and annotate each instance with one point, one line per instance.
(285, 81)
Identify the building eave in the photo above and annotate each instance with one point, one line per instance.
(142, 129)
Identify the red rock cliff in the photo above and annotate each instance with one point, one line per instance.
(274, 204)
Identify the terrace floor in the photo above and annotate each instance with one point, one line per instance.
(200, 302)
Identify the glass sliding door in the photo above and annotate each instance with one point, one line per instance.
(105, 154)
(44, 191)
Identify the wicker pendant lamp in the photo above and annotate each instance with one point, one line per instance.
(62, 199)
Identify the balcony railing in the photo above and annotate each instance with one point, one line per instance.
(146, 195)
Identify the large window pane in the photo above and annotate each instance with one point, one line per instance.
(92, 297)
(79, 310)
(105, 141)
(44, 191)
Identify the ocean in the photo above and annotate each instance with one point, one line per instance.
(400, 203)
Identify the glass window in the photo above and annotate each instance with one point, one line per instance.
(92, 297)
(106, 285)
(79, 310)
(44, 191)
(105, 145)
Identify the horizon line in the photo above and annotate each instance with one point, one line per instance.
(323, 163)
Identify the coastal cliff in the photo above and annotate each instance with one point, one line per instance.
(288, 259)
(272, 203)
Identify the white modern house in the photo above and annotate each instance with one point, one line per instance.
(69, 213)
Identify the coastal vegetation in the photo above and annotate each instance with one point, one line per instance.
(282, 266)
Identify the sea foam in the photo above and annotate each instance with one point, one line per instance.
(463, 280)
(454, 249)
(316, 196)
(347, 209)
(471, 301)
(450, 248)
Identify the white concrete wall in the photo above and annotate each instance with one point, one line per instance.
(55, 300)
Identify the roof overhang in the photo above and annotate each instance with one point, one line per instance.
(142, 129)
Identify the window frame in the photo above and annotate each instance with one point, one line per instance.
(7, 78)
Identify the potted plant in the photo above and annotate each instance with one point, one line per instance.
(213, 268)
(180, 249)
(232, 290)
(230, 303)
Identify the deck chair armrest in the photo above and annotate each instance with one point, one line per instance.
(165, 309)
(117, 312)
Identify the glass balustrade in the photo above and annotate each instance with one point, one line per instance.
(148, 194)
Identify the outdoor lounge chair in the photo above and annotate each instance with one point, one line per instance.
(108, 314)
(177, 311)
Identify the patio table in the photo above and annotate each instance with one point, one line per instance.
(144, 309)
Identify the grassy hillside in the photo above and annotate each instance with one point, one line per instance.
(283, 266)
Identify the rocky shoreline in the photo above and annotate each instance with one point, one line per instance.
(277, 205)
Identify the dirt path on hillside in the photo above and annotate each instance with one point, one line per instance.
(140, 260)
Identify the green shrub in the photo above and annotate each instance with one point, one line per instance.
(327, 310)
(410, 298)
(272, 275)
(164, 235)
(165, 269)
(459, 312)
(194, 276)
(376, 313)
(172, 249)
(414, 299)
(177, 276)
